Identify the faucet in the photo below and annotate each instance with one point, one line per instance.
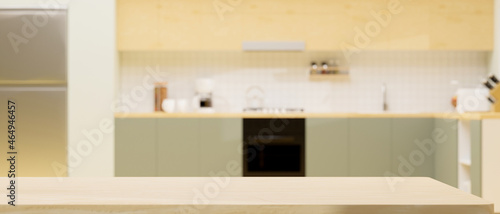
(384, 97)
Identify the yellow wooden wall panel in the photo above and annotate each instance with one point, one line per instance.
(268, 7)
(359, 10)
(325, 7)
(198, 30)
(361, 15)
(322, 24)
(274, 27)
(409, 29)
(461, 25)
(329, 29)
(462, 6)
(187, 7)
(137, 24)
(461, 32)
(328, 32)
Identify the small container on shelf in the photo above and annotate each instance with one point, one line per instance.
(314, 68)
(329, 70)
(333, 66)
(160, 95)
(324, 68)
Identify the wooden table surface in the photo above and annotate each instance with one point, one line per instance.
(241, 195)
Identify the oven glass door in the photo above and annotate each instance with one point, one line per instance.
(274, 158)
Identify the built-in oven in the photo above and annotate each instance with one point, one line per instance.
(274, 147)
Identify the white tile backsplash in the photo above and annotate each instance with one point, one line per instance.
(417, 81)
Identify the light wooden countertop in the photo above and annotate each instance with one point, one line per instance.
(241, 195)
(465, 116)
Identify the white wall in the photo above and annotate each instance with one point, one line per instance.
(92, 55)
(91, 73)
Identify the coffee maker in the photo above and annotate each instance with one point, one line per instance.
(203, 99)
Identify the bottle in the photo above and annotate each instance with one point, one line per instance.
(324, 67)
(334, 66)
(314, 68)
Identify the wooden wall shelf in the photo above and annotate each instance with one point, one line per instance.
(326, 77)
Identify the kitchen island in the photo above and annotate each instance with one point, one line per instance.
(241, 195)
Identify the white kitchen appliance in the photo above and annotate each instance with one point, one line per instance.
(203, 99)
(473, 100)
(33, 75)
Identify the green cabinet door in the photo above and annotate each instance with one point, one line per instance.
(135, 147)
(412, 147)
(370, 146)
(327, 146)
(221, 147)
(445, 135)
(178, 147)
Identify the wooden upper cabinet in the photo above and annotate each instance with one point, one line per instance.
(322, 24)
(137, 25)
(461, 25)
(195, 25)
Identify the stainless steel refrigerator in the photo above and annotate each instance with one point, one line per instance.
(33, 74)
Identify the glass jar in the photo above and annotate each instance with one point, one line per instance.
(160, 95)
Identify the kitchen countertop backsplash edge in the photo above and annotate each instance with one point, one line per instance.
(451, 115)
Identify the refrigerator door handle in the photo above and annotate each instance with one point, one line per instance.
(33, 89)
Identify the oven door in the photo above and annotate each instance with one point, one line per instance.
(274, 156)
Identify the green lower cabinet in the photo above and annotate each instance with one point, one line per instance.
(178, 147)
(221, 147)
(445, 135)
(334, 147)
(370, 146)
(327, 146)
(412, 147)
(475, 168)
(135, 147)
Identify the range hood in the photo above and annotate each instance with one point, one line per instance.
(273, 45)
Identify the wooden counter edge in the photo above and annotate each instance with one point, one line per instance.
(464, 116)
